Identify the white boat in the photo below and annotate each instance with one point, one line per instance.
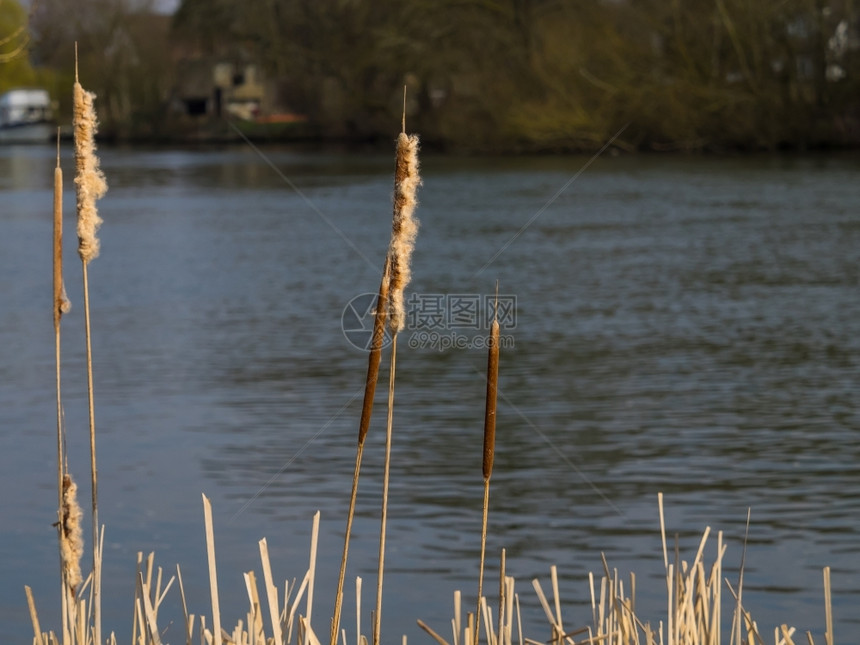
(26, 116)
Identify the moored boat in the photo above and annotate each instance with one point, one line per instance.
(26, 116)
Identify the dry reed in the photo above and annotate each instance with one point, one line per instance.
(386, 474)
(90, 186)
(404, 228)
(693, 615)
(213, 575)
(489, 450)
(389, 306)
(61, 306)
(738, 611)
(374, 358)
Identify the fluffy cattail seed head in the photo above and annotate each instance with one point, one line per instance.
(90, 184)
(72, 539)
(404, 227)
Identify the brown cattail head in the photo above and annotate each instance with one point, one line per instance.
(373, 360)
(90, 184)
(72, 539)
(492, 390)
(61, 300)
(404, 227)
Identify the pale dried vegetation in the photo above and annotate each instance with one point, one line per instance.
(282, 615)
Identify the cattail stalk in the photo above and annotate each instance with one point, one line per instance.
(404, 228)
(374, 358)
(61, 305)
(90, 186)
(377, 616)
(489, 452)
(58, 314)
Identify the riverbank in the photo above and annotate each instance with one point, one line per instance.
(302, 131)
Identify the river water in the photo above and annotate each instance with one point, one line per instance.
(678, 324)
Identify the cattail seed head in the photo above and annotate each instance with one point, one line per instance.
(404, 227)
(90, 184)
(61, 300)
(72, 540)
(490, 410)
(377, 341)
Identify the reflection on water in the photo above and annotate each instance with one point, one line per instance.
(685, 326)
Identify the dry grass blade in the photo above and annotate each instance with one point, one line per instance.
(663, 530)
(358, 636)
(255, 615)
(487, 614)
(291, 615)
(436, 637)
(545, 605)
(213, 575)
(312, 567)
(34, 616)
(271, 592)
(309, 636)
(828, 608)
(739, 610)
(787, 632)
(745, 620)
(556, 596)
(189, 619)
(458, 617)
(502, 595)
(149, 612)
